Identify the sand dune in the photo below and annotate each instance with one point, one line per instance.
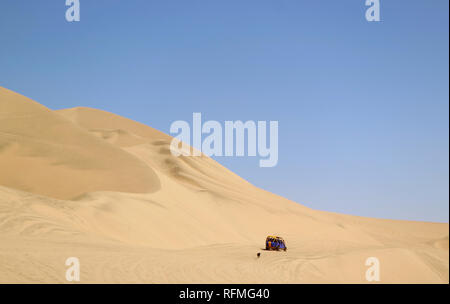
(44, 153)
(91, 184)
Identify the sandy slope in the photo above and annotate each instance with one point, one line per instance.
(44, 153)
(87, 183)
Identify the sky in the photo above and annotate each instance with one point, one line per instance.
(362, 107)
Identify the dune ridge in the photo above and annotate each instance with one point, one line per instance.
(87, 183)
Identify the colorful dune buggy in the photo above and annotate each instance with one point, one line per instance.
(275, 243)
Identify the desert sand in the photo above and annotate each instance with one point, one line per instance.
(90, 184)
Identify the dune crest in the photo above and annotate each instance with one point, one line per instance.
(44, 153)
(91, 184)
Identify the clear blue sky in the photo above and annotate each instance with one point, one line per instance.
(363, 108)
